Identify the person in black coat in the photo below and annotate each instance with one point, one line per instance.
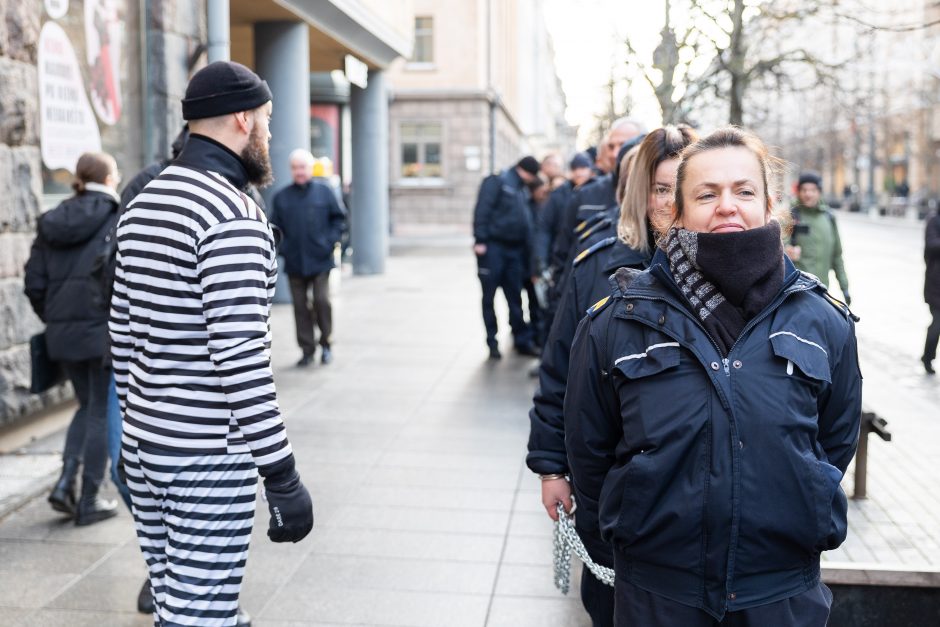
(648, 190)
(712, 408)
(932, 290)
(68, 298)
(503, 237)
(312, 221)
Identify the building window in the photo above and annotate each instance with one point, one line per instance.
(424, 40)
(421, 151)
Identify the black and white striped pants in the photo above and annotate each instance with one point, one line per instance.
(193, 515)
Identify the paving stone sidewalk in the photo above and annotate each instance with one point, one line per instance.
(412, 445)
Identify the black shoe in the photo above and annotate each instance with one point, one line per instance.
(306, 360)
(494, 353)
(244, 620)
(928, 366)
(92, 509)
(63, 496)
(529, 350)
(327, 356)
(145, 598)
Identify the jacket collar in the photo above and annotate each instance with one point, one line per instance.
(658, 279)
(102, 189)
(512, 177)
(205, 153)
(621, 256)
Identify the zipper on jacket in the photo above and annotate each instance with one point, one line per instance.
(727, 370)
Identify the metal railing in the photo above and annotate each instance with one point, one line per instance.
(871, 423)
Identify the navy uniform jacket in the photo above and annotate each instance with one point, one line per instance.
(715, 479)
(312, 223)
(594, 196)
(502, 212)
(549, 221)
(588, 284)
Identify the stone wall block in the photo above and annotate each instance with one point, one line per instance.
(19, 104)
(19, 29)
(19, 321)
(14, 251)
(27, 187)
(6, 184)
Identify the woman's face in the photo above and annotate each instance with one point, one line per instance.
(723, 192)
(661, 192)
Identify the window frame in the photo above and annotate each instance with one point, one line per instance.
(420, 141)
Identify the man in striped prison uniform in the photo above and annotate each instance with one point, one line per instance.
(196, 267)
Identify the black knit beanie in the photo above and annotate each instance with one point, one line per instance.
(809, 177)
(223, 87)
(530, 164)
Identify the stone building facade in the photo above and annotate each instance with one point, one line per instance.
(479, 92)
(161, 49)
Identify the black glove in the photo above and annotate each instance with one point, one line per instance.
(289, 503)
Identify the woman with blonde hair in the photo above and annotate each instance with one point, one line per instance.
(712, 408)
(65, 294)
(652, 172)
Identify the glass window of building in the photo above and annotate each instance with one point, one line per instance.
(421, 150)
(424, 40)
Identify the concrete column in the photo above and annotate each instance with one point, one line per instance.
(369, 211)
(282, 58)
(217, 12)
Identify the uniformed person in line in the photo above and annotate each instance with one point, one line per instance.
(503, 239)
(648, 191)
(598, 194)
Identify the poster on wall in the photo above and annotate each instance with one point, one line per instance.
(103, 45)
(67, 123)
(89, 88)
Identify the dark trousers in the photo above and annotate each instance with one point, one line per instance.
(636, 607)
(933, 335)
(306, 312)
(503, 267)
(598, 599)
(536, 314)
(87, 435)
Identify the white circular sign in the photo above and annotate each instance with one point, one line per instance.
(57, 8)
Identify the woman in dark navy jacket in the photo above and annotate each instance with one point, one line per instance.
(712, 408)
(648, 190)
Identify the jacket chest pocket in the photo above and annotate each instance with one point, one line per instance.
(804, 364)
(661, 391)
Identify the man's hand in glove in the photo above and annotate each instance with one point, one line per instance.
(289, 503)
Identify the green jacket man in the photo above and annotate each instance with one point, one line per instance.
(815, 246)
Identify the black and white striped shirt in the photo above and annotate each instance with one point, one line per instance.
(196, 268)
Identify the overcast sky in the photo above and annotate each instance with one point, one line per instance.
(586, 34)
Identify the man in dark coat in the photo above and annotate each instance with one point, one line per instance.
(932, 290)
(312, 221)
(503, 239)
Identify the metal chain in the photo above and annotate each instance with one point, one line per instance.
(567, 541)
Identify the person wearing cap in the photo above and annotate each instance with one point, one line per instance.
(190, 344)
(503, 239)
(815, 246)
(932, 290)
(312, 221)
(596, 195)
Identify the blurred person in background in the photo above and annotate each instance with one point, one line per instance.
(312, 222)
(503, 236)
(815, 245)
(65, 295)
(932, 290)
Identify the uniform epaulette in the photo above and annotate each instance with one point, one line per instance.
(838, 304)
(581, 226)
(587, 252)
(599, 306)
(603, 224)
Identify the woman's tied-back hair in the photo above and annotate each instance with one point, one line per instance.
(728, 137)
(660, 145)
(93, 167)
